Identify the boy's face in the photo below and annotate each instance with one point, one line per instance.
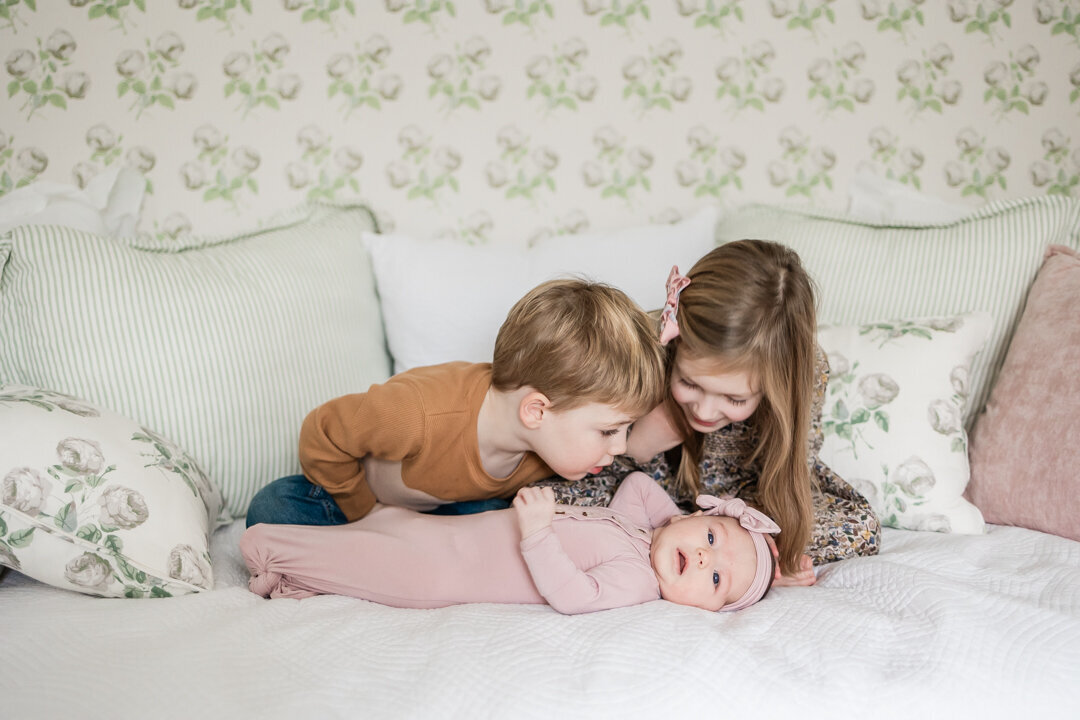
(582, 440)
(706, 561)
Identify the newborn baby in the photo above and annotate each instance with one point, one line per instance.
(576, 559)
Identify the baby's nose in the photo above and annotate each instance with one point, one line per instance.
(702, 557)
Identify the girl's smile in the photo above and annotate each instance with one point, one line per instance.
(711, 399)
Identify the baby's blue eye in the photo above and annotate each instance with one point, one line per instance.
(716, 578)
(710, 537)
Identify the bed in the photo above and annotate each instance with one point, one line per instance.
(361, 175)
(935, 627)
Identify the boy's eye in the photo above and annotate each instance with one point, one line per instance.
(715, 578)
(610, 433)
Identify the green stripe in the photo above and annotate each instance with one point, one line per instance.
(222, 344)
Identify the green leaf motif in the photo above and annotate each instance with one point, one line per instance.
(21, 538)
(881, 419)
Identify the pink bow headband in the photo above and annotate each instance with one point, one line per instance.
(669, 326)
(757, 524)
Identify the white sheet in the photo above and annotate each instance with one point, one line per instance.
(937, 626)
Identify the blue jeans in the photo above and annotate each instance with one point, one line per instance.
(294, 500)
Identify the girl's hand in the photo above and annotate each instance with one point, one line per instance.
(805, 577)
(535, 507)
(652, 434)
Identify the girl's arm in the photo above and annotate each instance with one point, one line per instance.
(619, 582)
(651, 435)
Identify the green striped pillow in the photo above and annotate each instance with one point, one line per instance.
(868, 272)
(222, 344)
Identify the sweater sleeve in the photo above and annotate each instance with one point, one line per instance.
(387, 422)
(641, 500)
(620, 582)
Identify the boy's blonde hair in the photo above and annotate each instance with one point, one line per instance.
(580, 342)
(750, 307)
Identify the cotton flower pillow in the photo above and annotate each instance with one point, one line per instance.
(93, 502)
(893, 416)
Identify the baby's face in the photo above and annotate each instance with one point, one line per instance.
(706, 561)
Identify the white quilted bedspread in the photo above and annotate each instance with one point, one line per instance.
(937, 626)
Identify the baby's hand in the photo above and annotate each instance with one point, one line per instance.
(535, 508)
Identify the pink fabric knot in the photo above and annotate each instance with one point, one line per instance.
(669, 326)
(751, 519)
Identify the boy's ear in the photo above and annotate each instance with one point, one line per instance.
(532, 409)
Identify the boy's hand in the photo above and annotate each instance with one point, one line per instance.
(535, 507)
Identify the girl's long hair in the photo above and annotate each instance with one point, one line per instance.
(750, 307)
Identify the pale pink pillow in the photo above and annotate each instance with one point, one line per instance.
(1025, 455)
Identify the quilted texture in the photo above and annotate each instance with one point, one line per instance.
(937, 626)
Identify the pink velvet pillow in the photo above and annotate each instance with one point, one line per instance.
(1025, 457)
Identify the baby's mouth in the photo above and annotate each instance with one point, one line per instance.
(682, 562)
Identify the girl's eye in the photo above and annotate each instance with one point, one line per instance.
(735, 402)
(610, 433)
(689, 385)
(710, 537)
(716, 578)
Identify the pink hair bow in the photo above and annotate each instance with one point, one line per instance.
(756, 523)
(751, 519)
(669, 326)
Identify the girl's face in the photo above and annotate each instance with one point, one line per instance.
(711, 399)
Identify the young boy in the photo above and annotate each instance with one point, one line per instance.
(575, 363)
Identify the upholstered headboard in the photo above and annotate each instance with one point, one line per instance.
(507, 120)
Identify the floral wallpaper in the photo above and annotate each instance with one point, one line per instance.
(511, 120)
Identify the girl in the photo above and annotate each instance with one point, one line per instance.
(742, 414)
(575, 559)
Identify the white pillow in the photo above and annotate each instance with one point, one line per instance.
(872, 198)
(893, 416)
(444, 300)
(90, 501)
(108, 205)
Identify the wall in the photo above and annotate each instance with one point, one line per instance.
(508, 120)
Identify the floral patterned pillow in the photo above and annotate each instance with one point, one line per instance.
(893, 416)
(93, 502)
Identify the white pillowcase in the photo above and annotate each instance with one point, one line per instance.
(893, 417)
(108, 205)
(872, 198)
(93, 502)
(444, 300)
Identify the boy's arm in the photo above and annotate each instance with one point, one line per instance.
(619, 582)
(641, 500)
(384, 422)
